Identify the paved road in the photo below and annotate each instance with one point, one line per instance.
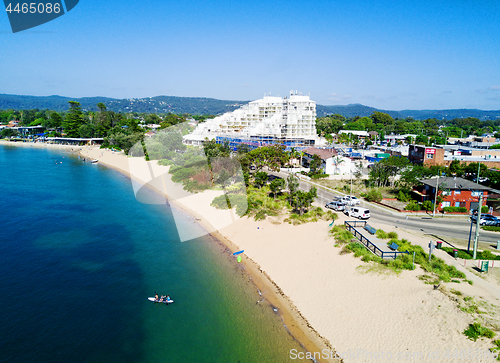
(457, 228)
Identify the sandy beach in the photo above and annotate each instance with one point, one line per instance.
(332, 300)
(41, 145)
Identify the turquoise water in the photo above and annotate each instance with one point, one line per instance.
(79, 256)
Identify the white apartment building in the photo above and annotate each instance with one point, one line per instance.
(288, 118)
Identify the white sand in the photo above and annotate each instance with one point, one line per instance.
(357, 312)
(366, 316)
(41, 145)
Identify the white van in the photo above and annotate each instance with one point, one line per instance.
(357, 212)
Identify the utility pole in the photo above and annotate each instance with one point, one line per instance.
(478, 225)
(350, 194)
(435, 197)
(478, 168)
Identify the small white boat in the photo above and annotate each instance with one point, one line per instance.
(95, 161)
(162, 301)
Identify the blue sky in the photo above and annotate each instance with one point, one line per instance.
(386, 54)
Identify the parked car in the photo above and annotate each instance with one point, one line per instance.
(336, 205)
(350, 200)
(356, 212)
(486, 220)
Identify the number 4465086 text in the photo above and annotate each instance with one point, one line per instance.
(34, 8)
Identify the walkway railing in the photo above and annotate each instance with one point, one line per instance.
(351, 227)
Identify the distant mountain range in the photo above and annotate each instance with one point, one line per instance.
(200, 105)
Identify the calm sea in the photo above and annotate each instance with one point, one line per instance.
(79, 256)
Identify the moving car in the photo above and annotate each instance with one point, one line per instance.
(486, 220)
(357, 212)
(336, 205)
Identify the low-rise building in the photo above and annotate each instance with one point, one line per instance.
(426, 155)
(456, 192)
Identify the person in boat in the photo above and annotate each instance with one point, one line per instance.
(162, 297)
(156, 297)
(167, 298)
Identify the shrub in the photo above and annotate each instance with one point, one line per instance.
(427, 205)
(475, 331)
(319, 176)
(484, 209)
(481, 255)
(341, 234)
(414, 206)
(392, 235)
(403, 197)
(381, 234)
(455, 209)
(374, 195)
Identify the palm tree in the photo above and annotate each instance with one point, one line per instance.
(337, 160)
(301, 153)
(294, 154)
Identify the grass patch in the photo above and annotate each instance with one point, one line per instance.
(491, 228)
(392, 235)
(475, 331)
(435, 266)
(313, 215)
(381, 234)
(341, 235)
(481, 255)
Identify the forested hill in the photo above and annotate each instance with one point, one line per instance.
(352, 110)
(211, 106)
(159, 104)
(360, 110)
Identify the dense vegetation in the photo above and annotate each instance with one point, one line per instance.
(428, 130)
(119, 130)
(159, 104)
(199, 105)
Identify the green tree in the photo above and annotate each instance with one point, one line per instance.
(271, 156)
(385, 171)
(315, 165)
(276, 186)
(383, 118)
(329, 124)
(260, 178)
(73, 120)
(8, 132)
(456, 168)
(293, 185)
(303, 200)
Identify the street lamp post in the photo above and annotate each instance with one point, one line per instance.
(435, 197)
(470, 234)
(478, 225)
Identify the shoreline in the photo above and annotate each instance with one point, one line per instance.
(294, 322)
(325, 299)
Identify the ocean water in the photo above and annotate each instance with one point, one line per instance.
(79, 256)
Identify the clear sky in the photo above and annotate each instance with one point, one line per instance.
(391, 54)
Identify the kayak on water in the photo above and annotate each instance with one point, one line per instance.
(169, 301)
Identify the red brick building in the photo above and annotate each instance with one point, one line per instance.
(456, 192)
(426, 155)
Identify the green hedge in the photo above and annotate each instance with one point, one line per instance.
(455, 209)
(481, 255)
(413, 206)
